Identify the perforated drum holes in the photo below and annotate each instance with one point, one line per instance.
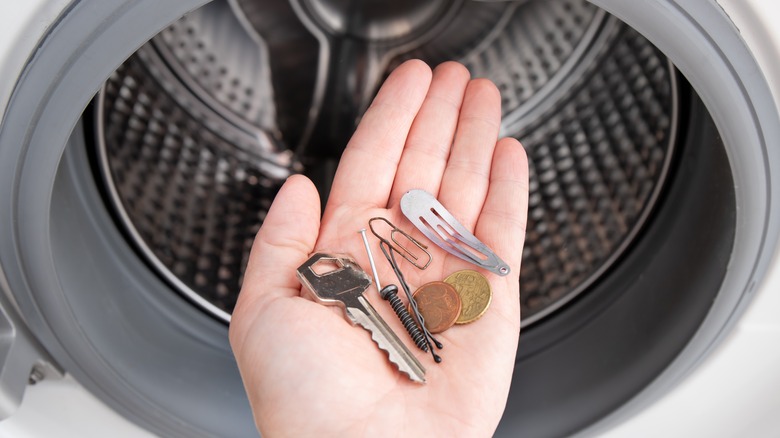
(593, 102)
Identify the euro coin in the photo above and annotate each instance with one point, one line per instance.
(475, 294)
(439, 305)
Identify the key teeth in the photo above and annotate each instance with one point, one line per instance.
(398, 362)
(383, 336)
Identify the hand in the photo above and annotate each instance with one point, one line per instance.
(306, 370)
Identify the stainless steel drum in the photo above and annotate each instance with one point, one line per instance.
(142, 143)
(198, 130)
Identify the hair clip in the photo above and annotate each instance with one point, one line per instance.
(437, 224)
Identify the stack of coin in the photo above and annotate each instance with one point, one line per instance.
(463, 297)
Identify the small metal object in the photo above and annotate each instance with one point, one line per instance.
(398, 247)
(389, 255)
(437, 224)
(344, 286)
(440, 304)
(390, 293)
(475, 294)
(370, 258)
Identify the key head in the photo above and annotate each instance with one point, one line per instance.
(334, 279)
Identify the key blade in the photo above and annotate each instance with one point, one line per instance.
(387, 340)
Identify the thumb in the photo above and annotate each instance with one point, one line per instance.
(283, 243)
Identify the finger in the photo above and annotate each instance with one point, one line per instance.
(368, 166)
(465, 181)
(428, 146)
(283, 243)
(503, 218)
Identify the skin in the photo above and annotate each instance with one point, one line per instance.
(307, 371)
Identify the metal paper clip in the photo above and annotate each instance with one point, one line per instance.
(395, 245)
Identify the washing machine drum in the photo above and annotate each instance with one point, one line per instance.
(132, 210)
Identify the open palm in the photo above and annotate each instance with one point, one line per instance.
(308, 371)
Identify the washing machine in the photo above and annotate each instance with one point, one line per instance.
(142, 142)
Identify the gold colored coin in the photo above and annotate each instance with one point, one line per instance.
(439, 305)
(475, 294)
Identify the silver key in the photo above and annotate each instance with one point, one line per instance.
(341, 282)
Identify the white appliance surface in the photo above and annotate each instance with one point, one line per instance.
(734, 392)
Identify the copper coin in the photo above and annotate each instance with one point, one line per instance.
(475, 294)
(439, 305)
